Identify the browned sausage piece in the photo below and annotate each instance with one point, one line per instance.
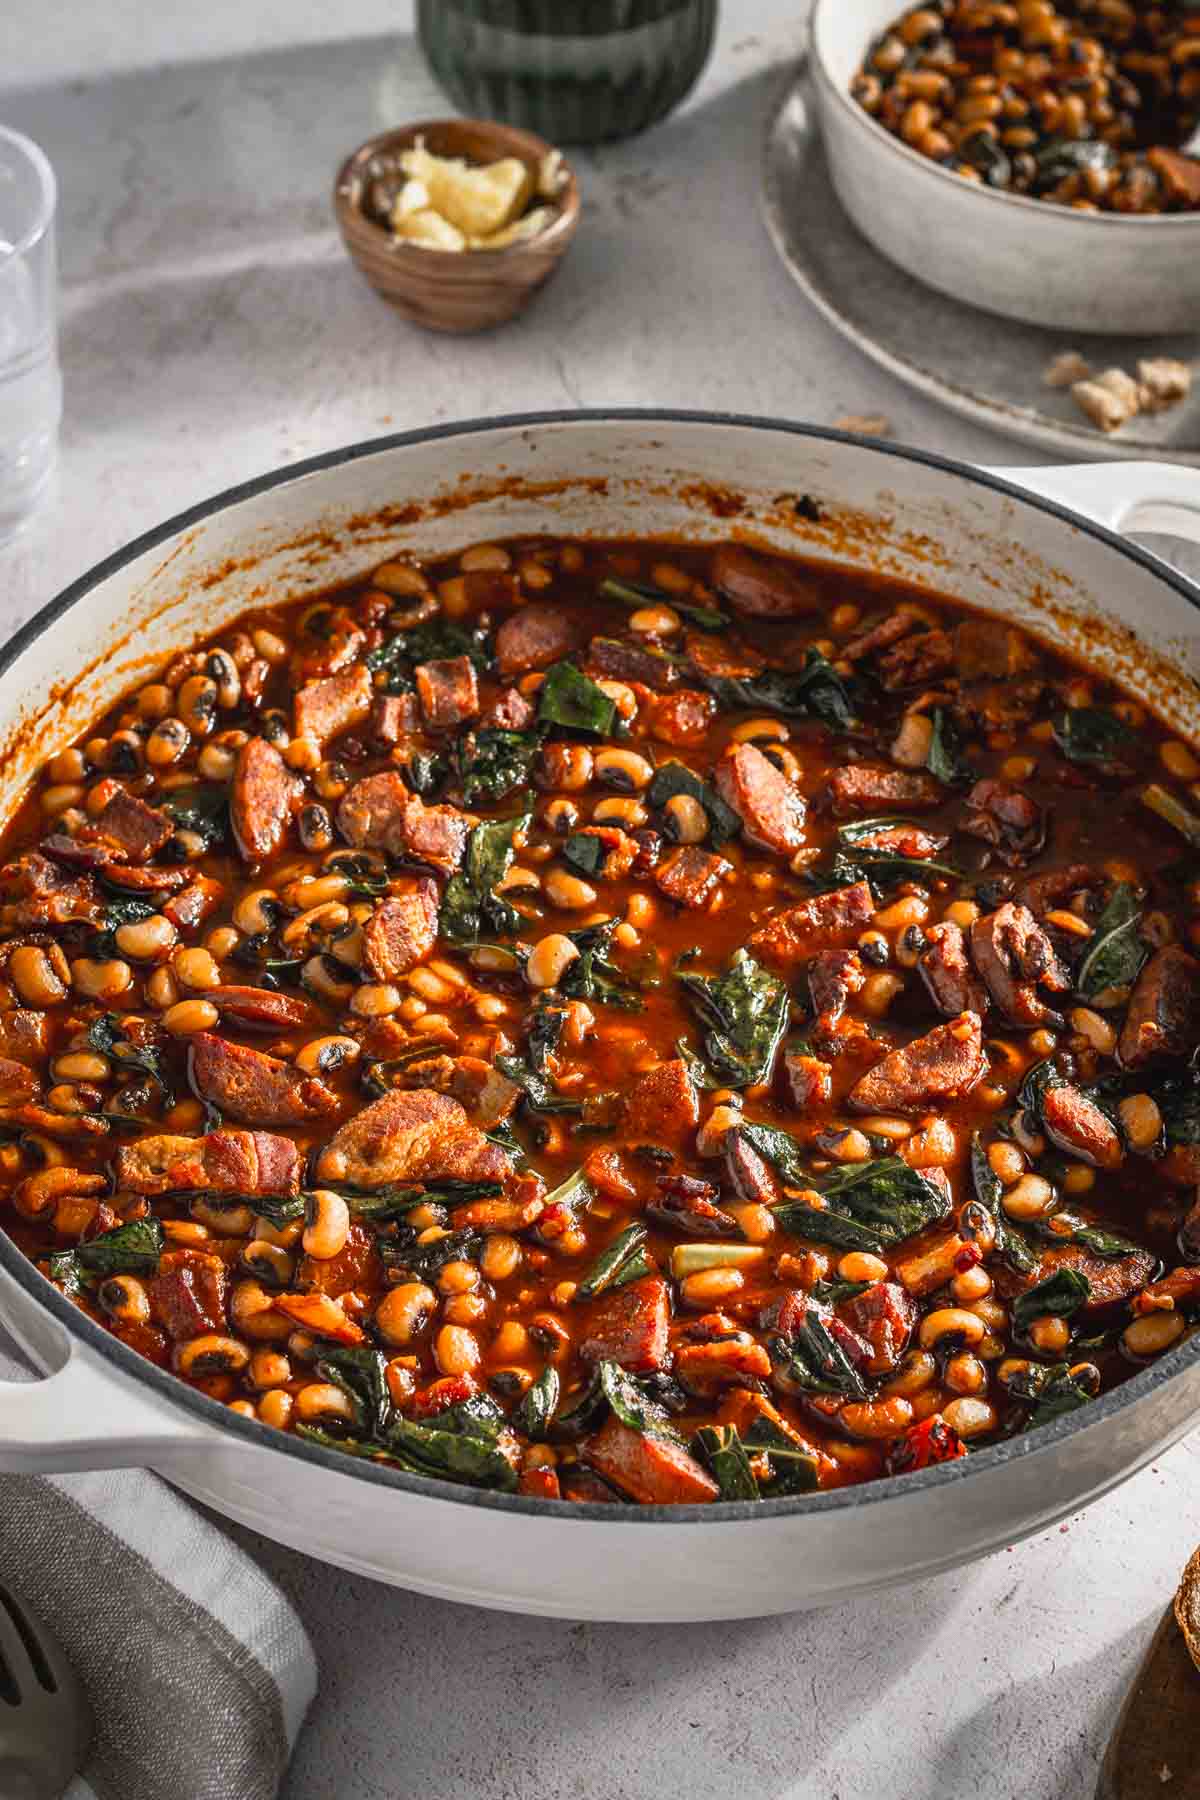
(379, 813)
(953, 984)
(833, 976)
(393, 716)
(916, 661)
(448, 691)
(629, 1326)
(661, 1108)
(1007, 818)
(436, 835)
(324, 709)
(719, 659)
(690, 875)
(771, 809)
(682, 718)
(944, 1065)
(654, 1471)
(133, 829)
(827, 920)
(760, 587)
(187, 1295)
(624, 661)
(1077, 1125)
(1113, 1281)
(402, 930)
(870, 787)
(224, 1162)
(881, 636)
(1055, 886)
(1013, 954)
(263, 796)
(193, 904)
(533, 638)
(884, 1316)
(987, 650)
(253, 1088)
(509, 711)
(41, 893)
(408, 1136)
(262, 1009)
(1164, 1012)
(745, 1174)
(487, 1096)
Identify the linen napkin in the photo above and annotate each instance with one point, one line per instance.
(198, 1671)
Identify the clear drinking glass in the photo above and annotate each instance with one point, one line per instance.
(30, 382)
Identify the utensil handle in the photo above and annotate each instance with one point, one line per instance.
(80, 1415)
(1132, 496)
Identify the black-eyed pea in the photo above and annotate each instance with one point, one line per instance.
(235, 1219)
(375, 999)
(875, 1419)
(456, 1350)
(268, 1262)
(81, 1065)
(860, 1265)
(275, 1408)
(878, 992)
(167, 743)
(500, 1258)
(161, 989)
(269, 646)
(303, 754)
(629, 814)
(146, 940)
(950, 1324)
(195, 969)
(189, 1016)
(1141, 1121)
(321, 1056)
(1049, 1334)
(404, 1311)
(965, 1374)
(916, 1372)
(686, 820)
(101, 980)
(60, 797)
(197, 702)
(321, 1400)
(910, 748)
(464, 1309)
(971, 1284)
(252, 1311)
(1151, 1334)
(1029, 1198)
(211, 1354)
(623, 770)
(549, 960)
(326, 1224)
(124, 1298)
(269, 1368)
(566, 891)
(458, 1278)
(970, 1417)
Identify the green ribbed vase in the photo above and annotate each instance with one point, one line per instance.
(575, 71)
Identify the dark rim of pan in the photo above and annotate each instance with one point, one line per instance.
(212, 1412)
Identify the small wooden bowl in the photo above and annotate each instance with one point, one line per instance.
(449, 290)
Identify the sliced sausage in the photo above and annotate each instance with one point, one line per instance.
(1077, 1125)
(946, 971)
(654, 1471)
(223, 1162)
(1013, 955)
(262, 1009)
(188, 1294)
(690, 875)
(832, 920)
(253, 1088)
(410, 1136)
(1007, 818)
(1056, 886)
(623, 661)
(132, 829)
(807, 1080)
(771, 808)
(916, 661)
(509, 711)
(41, 893)
(1164, 1012)
(833, 977)
(718, 659)
(487, 1096)
(881, 636)
(262, 800)
(629, 1326)
(760, 587)
(533, 638)
(745, 1175)
(379, 813)
(448, 691)
(393, 716)
(660, 1107)
(402, 930)
(884, 1316)
(683, 718)
(871, 787)
(194, 903)
(943, 1065)
(324, 709)
(1113, 1281)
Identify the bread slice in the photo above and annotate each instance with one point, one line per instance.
(1187, 1607)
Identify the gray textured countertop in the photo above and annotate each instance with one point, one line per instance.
(211, 329)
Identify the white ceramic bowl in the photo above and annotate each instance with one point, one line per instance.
(1027, 259)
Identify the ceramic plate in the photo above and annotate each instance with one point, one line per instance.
(986, 368)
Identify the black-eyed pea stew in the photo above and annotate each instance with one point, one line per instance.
(615, 1021)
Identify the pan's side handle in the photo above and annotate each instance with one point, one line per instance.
(81, 1415)
(1133, 496)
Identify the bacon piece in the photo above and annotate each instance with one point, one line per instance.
(881, 636)
(356, 1265)
(988, 650)
(223, 1162)
(623, 661)
(24, 1035)
(262, 799)
(685, 1204)
(448, 691)
(18, 1083)
(748, 1176)
(629, 1326)
(690, 875)
(720, 660)
(952, 983)
(885, 1316)
(944, 1065)
(654, 1471)
(393, 716)
(262, 1009)
(339, 642)
(827, 921)
(661, 1106)
(916, 661)
(487, 1096)
(728, 1362)
(871, 787)
(1178, 172)
(1014, 955)
(1077, 1125)
(42, 893)
(379, 813)
(132, 829)
(253, 1088)
(402, 930)
(833, 977)
(410, 1136)
(1164, 1012)
(760, 586)
(771, 808)
(1056, 886)
(808, 1081)
(189, 908)
(682, 718)
(188, 1294)
(533, 638)
(509, 711)
(325, 709)
(1008, 819)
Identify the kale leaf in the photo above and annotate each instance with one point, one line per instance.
(815, 691)
(621, 1261)
(361, 1373)
(1060, 1294)
(867, 1206)
(793, 1465)
(944, 758)
(721, 1449)
(745, 1014)
(636, 594)
(1116, 952)
(573, 701)
(535, 1409)
(437, 640)
(105, 1036)
(132, 1249)
(204, 810)
(491, 763)
(673, 778)
(471, 907)
(1092, 736)
(593, 975)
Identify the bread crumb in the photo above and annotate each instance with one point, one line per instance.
(1110, 400)
(1162, 382)
(864, 424)
(1066, 369)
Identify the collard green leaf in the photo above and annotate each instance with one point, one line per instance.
(132, 1249)
(328, 1440)
(593, 975)
(426, 1450)
(471, 907)
(104, 1035)
(673, 778)
(812, 1359)
(636, 594)
(793, 1465)
(204, 810)
(361, 1373)
(573, 701)
(868, 1206)
(544, 1028)
(861, 861)
(822, 1225)
(835, 1293)
(477, 1416)
(425, 772)
(584, 852)
(536, 1407)
(702, 1076)
(1107, 1245)
(279, 1209)
(1052, 1389)
(784, 1152)
(721, 1450)
(492, 762)
(632, 1406)
(539, 1091)
(428, 1260)
(1035, 1085)
(815, 691)
(1011, 1245)
(1093, 736)
(1060, 1294)
(1116, 952)
(745, 1013)
(584, 1413)
(437, 640)
(945, 760)
(576, 1190)
(611, 1267)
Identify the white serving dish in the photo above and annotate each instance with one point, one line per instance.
(296, 531)
(1027, 259)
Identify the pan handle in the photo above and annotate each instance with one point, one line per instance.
(80, 1415)
(1132, 496)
